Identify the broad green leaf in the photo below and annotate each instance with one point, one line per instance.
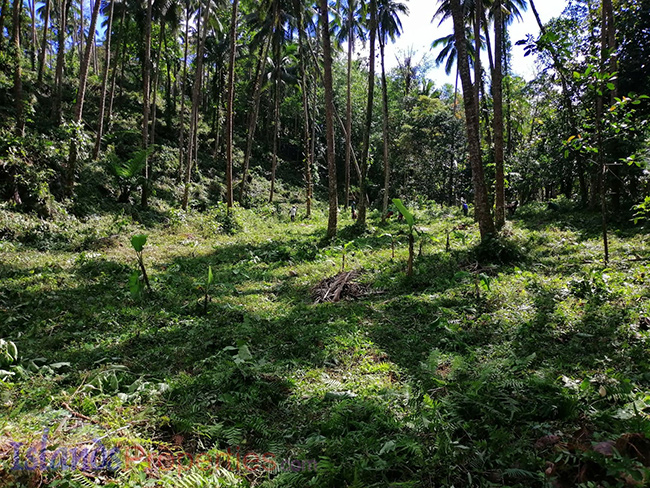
(210, 276)
(410, 219)
(138, 241)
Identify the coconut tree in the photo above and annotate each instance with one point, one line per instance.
(81, 94)
(107, 64)
(329, 117)
(230, 102)
(18, 75)
(351, 29)
(389, 26)
(482, 208)
(371, 13)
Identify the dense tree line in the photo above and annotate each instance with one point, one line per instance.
(202, 102)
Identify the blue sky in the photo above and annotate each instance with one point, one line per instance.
(419, 32)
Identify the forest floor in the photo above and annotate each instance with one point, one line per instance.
(521, 363)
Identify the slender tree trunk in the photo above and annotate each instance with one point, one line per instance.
(348, 105)
(305, 109)
(497, 88)
(34, 42)
(196, 99)
(181, 148)
(81, 94)
(3, 15)
(81, 30)
(384, 89)
(329, 119)
(486, 224)
(230, 103)
(57, 115)
(252, 121)
(146, 76)
(18, 74)
(363, 203)
(154, 85)
(121, 47)
(41, 58)
(102, 97)
(276, 125)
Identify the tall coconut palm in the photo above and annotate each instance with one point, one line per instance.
(230, 102)
(18, 75)
(350, 30)
(202, 27)
(107, 64)
(303, 23)
(497, 93)
(146, 76)
(329, 117)
(63, 8)
(371, 9)
(482, 208)
(81, 94)
(43, 52)
(389, 27)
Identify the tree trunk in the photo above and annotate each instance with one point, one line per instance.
(181, 148)
(329, 119)
(146, 76)
(121, 47)
(41, 59)
(348, 106)
(3, 15)
(81, 30)
(18, 75)
(231, 103)
(81, 94)
(32, 48)
(252, 121)
(305, 109)
(384, 90)
(57, 115)
(497, 77)
(102, 97)
(486, 224)
(276, 123)
(363, 203)
(196, 89)
(154, 85)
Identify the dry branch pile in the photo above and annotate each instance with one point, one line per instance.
(339, 287)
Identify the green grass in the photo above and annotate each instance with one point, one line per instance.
(455, 376)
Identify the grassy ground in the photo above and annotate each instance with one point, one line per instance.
(520, 363)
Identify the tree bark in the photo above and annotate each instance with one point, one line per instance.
(64, 5)
(497, 88)
(252, 121)
(196, 89)
(18, 74)
(363, 203)
(102, 97)
(348, 106)
(121, 47)
(146, 76)
(41, 59)
(154, 85)
(305, 110)
(483, 215)
(231, 104)
(81, 94)
(384, 90)
(329, 119)
(3, 15)
(181, 148)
